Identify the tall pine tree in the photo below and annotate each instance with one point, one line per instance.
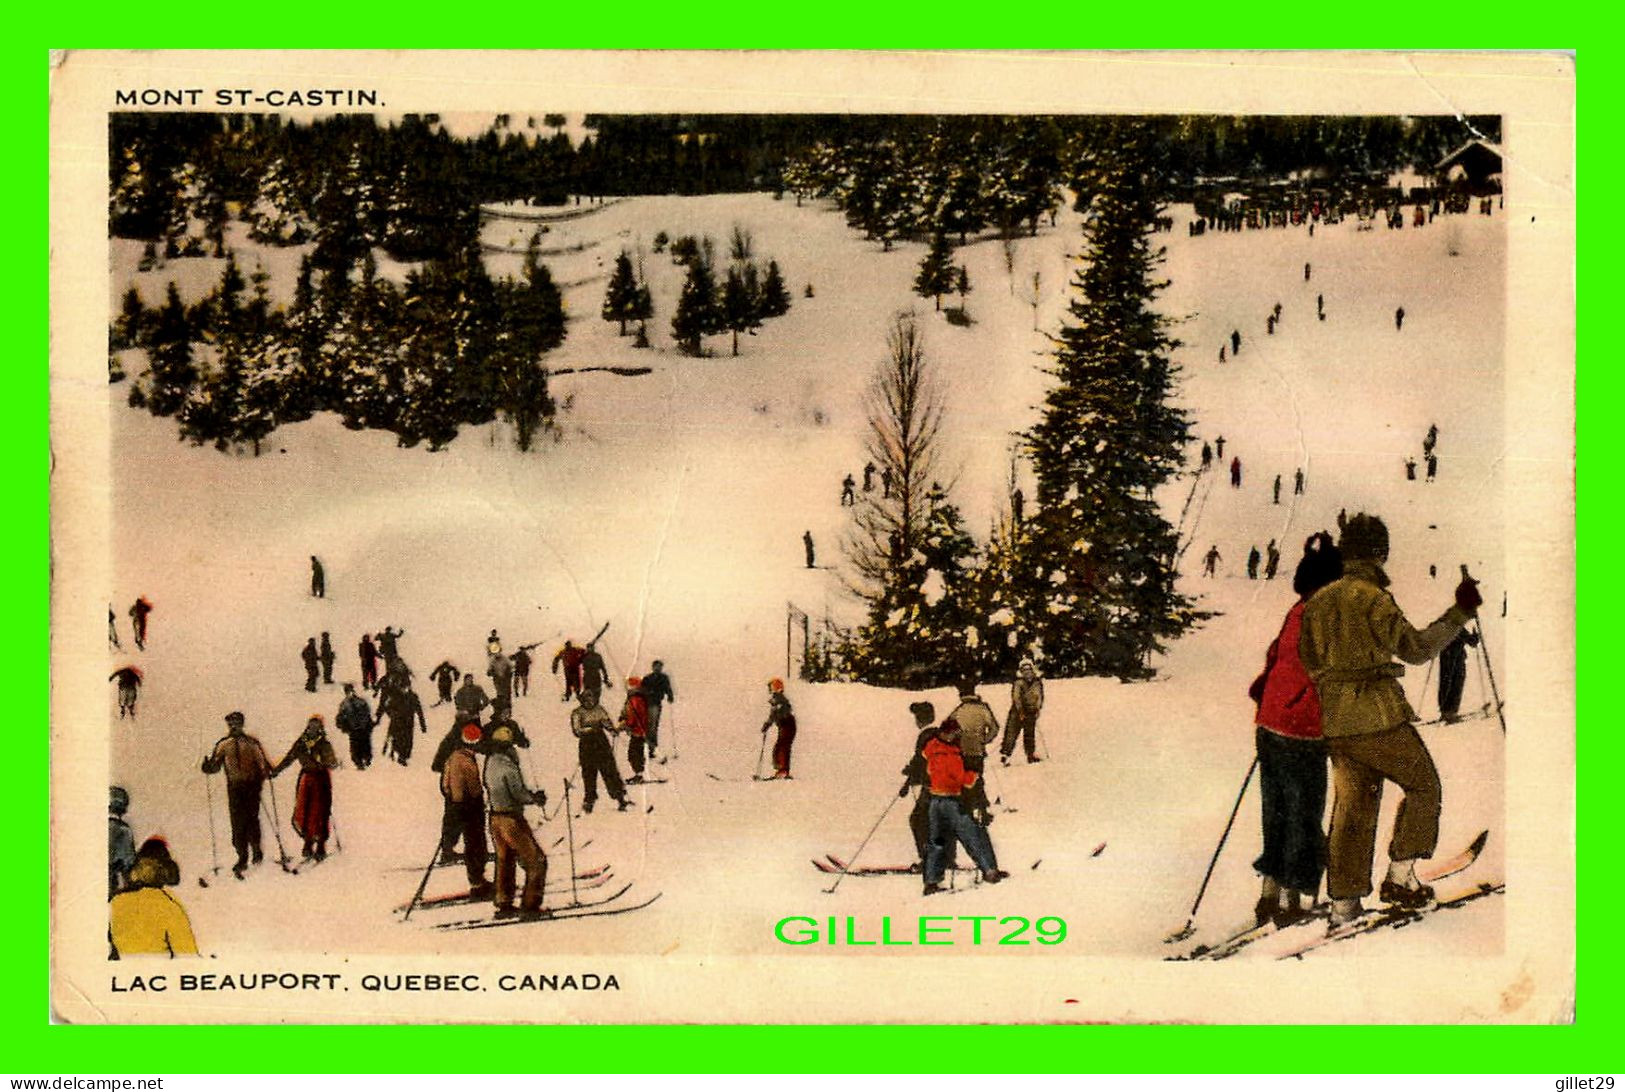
(1096, 582)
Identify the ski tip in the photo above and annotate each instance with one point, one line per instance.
(1478, 843)
(1098, 850)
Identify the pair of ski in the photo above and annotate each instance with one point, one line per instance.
(833, 865)
(753, 777)
(1320, 914)
(584, 881)
(607, 906)
(1485, 710)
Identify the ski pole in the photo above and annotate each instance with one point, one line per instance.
(423, 883)
(214, 852)
(570, 835)
(333, 825)
(1427, 676)
(276, 830)
(760, 753)
(1484, 657)
(857, 852)
(673, 714)
(1190, 923)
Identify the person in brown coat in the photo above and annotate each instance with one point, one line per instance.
(1352, 631)
(465, 809)
(313, 795)
(247, 768)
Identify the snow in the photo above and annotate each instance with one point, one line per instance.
(673, 508)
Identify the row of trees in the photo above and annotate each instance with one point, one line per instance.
(1085, 579)
(746, 296)
(449, 347)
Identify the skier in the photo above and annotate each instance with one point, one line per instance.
(327, 659)
(464, 814)
(1320, 307)
(916, 774)
(1026, 701)
(500, 669)
(570, 657)
(1297, 483)
(1410, 469)
(1218, 448)
(312, 664)
(868, 477)
(129, 686)
(1235, 344)
(120, 841)
(848, 495)
(1207, 454)
(1272, 560)
(1292, 754)
(444, 674)
(977, 728)
(318, 579)
(1352, 630)
(1235, 472)
(506, 794)
(781, 715)
(594, 675)
(246, 766)
(146, 919)
(112, 628)
(590, 724)
(387, 647)
(1453, 674)
(1430, 440)
(885, 482)
(635, 719)
(1253, 558)
(1276, 314)
(951, 819)
(1399, 318)
(138, 620)
(656, 689)
(1210, 561)
(1277, 499)
(1433, 466)
(470, 700)
(1305, 270)
(369, 662)
(522, 660)
(1269, 324)
(313, 793)
(401, 705)
(354, 719)
(1221, 354)
(807, 544)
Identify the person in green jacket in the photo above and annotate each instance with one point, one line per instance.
(1351, 635)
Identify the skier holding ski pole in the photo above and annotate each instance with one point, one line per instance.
(247, 769)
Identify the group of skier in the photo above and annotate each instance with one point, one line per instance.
(1330, 689)
(1429, 442)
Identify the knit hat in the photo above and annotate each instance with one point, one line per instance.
(154, 867)
(1027, 666)
(633, 682)
(235, 718)
(1364, 538)
(948, 729)
(776, 685)
(924, 712)
(471, 734)
(502, 735)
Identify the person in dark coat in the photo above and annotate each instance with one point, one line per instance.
(594, 675)
(916, 776)
(1218, 449)
(1252, 563)
(1235, 342)
(129, 688)
(1399, 318)
(522, 661)
(1272, 560)
(388, 646)
(591, 725)
(138, 620)
(848, 496)
(1235, 472)
(464, 814)
(807, 544)
(470, 700)
(1292, 754)
(868, 477)
(1207, 455)
(1410, 469)
(112, 628)
(402, 707)
(327, 658)
(1453, 674)
(354, 719)
(369, 662)
(1210, 561)
(443, 676)
(318, 579)
(1026, 702)
(120, 841)
(313, 795)
(1277, 499)
(312, 660)
(657, 689)
(1433, 466)
(247, 768)
(1297, 482)
(783, 717)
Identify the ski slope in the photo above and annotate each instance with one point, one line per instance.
(672, 507)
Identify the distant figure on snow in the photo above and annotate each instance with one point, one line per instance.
(1207, 455)
(312, 660)
(1410, 469)
(1433, 466)
(807, 543)
(355, 721)
(471, 700)
(1218, 448)
(590, 724)
(868, 477)
(1430, 440)
(848, 495)
(1305, 270)
(1399, 318)
(1253, 558)
(656, 690)
(129, 686)
(318, 579)
(138, 620)
(885, 483)
(570, 657)
(1235, 342)
(522, 661)
(594, 675)
(1272, 560)
(369, 662)
(1277, 491)
(1210, 561)
(1235, 472)
(635, 720)
(246, 767)
(780, 715)
(1297, 483)
(1453, 674)
(402, 707)
(500, 668)
(112, 627)
(443, 676)
(1026, 702)
(327, 658)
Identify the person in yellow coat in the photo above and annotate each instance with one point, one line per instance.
(146, 919)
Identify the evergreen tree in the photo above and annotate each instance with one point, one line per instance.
(171, 356)
(1096, 579)
(775, 297)
(277, 214)
(208, 414)
(620, 300)
(130, 328)
(697, 313)
(962, 284)
(643, 309)
(936, 275)
(533, 325)
(740, 305)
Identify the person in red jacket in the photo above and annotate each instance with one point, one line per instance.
(945, 767)
(635, 720)
(1292, 754)
(570, 656)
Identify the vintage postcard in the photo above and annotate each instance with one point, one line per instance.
(825, 537)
